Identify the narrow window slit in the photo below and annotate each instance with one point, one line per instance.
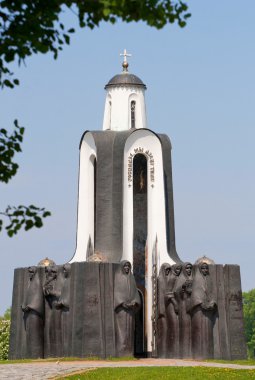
(133, 104)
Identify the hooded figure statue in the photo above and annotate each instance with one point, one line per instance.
(126, 303)
(64, 305)
(184, 291)
(162, 336)
(52, 291)
(33, 308)
(203, 312)
(172, 311)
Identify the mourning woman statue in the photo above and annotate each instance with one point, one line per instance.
(203, 311)
(162, 338)
(126, 303)
(52, 291)
(33, 308)
(172, 311)
(184, 291)
(64, 305)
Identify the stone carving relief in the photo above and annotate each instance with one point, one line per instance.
(63, 305)
(168, 309)
(52, 291)
(172, 310)
(186, 311)
(33, 315)
(126, 303)
(202, 310)
(162, 326)
(184, 291)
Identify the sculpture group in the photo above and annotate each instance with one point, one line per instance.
(89, 309)
(46, 311)
(187, 311)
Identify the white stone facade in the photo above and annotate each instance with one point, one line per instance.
(117, 112)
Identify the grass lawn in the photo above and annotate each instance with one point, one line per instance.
(68, 359)
(162, 373)
(242, 362)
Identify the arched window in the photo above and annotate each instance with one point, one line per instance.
(133, 104)
(140, 215)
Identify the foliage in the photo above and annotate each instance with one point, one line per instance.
(9, 145)
(249, 320)
(4, 338)
(31, 27)
(5, 323)
(27, 216)
(7, 315)
(177, 373)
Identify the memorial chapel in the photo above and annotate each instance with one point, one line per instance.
(125, 291)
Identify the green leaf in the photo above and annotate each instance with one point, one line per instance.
(67, 39)
(38, 222)
(33, 207)
(29, 224)
(8, 83)
(46, 213)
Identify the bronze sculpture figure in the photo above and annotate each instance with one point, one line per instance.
(172, 310)
(63, 305)
(203, 311)
(162, 325)
(184, 290)
(33, 308)
(126, 303)
(52, 291)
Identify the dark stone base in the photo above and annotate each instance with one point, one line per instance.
(200, 333)
(90, 317)
(89, 320)
(229, 339)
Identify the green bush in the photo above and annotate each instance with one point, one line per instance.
(4, 338)
(249, 320)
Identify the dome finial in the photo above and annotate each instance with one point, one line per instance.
(125, 62)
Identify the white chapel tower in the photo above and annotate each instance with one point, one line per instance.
(125, 204)
(125, 102)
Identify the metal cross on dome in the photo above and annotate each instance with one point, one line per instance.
(125, 62)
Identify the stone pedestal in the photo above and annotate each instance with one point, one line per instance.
(77, 314)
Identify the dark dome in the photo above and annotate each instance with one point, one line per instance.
(125, 79)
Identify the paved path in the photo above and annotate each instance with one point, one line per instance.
(51, 370)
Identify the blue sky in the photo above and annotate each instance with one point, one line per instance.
(200, 91)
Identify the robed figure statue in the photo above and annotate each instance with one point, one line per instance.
(126, 303)
(162, 323)
(172, 310)
(33, 308)
(184, 291)
(64, 305)
(203, 312)
(52, 291)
